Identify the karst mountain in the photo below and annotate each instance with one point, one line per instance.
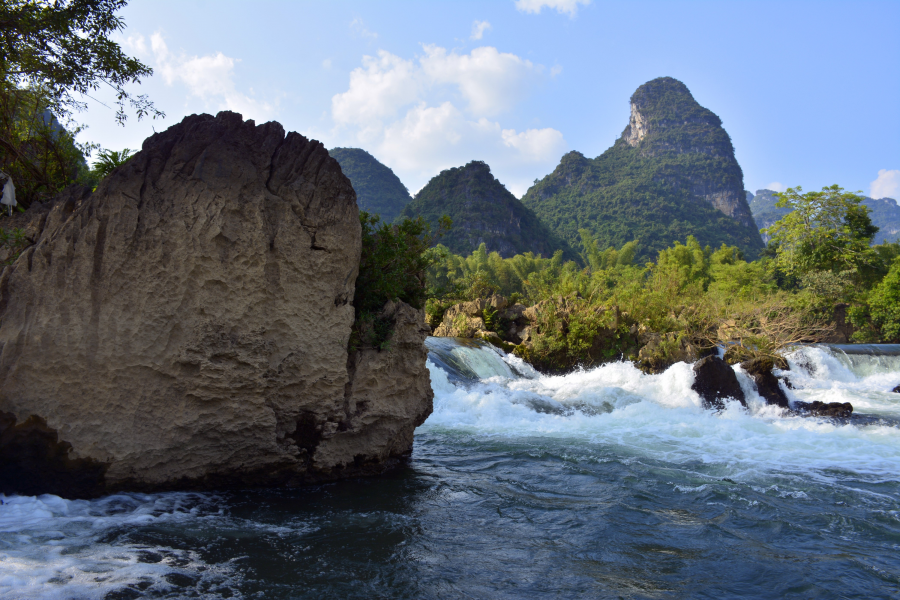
(671, 174)
(378, 190)
(483, 211)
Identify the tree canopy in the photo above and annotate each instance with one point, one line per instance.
(827, 231)
(64, 50)
(53, 55)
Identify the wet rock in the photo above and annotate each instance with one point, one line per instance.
(822, 409)
(760, 370)
(714, 380)
(896, 390)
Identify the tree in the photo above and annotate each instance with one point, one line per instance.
(53, 55)
(825, 238)
(64, 50)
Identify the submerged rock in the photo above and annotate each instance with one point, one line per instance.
(714, 380)
(760, 370)
(186, 326)
(823, 409)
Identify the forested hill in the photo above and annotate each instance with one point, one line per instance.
(671, 174)
(884, 212)
(483, 211)
(378, 190)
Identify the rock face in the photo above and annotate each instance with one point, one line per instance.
(186, 326)
(671, 174)
(715, 381)
(483, 212)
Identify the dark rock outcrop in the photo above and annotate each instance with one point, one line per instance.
(715, 381)
(824, 409)
(187, 325)
(760, 370)
(896, 390)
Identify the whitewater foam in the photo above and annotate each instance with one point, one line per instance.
(661, 417)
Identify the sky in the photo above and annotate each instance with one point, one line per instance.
(808, 91)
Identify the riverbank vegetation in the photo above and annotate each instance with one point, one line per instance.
(818, 266)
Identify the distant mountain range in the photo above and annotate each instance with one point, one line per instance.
(884, 212)
(671, 174)
(483, 211)
(378, 190)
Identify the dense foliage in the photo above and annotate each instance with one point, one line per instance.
(52, 55)
(690, 295)
(483, 212)
(378, 190)
(649, 192)
(392, 266)
(884, 212)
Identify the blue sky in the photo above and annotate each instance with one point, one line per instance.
(808, 91)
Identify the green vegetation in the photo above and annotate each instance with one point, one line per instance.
(378, 190)
(107, 160)
(52, 55)
(392, 266)
(483, 212)
(692, 296)
(649, 191)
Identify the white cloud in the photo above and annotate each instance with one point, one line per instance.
(886, 185)
(439, 110)
(478, 29)
(556, 70)
(569, 7)
(775, 187)
(536, 145)
(135, 44)
(210, 78)
(378, 89)
(490, 81)
(359, 28)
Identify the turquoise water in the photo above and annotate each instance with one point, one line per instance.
(600, 484)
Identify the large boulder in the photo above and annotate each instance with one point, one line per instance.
(187, 326)
(715, 381)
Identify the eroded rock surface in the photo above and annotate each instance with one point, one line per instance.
(186, 325)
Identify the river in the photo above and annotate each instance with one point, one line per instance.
(604, 483)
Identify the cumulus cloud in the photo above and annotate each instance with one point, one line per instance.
(568, 7)
(478, 29)
(886, 185)
(775, 187)
(209, 78)
(440, 109)
(489, 80)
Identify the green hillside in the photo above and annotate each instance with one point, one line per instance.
(378, 190)
(671, 174)
(483, 211)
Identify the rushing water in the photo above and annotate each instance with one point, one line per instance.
(605, 483)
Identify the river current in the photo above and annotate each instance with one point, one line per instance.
(604, 483)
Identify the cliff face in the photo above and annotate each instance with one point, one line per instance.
(483, 211)
(378, 190)
(186, 325)
(671, 174)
